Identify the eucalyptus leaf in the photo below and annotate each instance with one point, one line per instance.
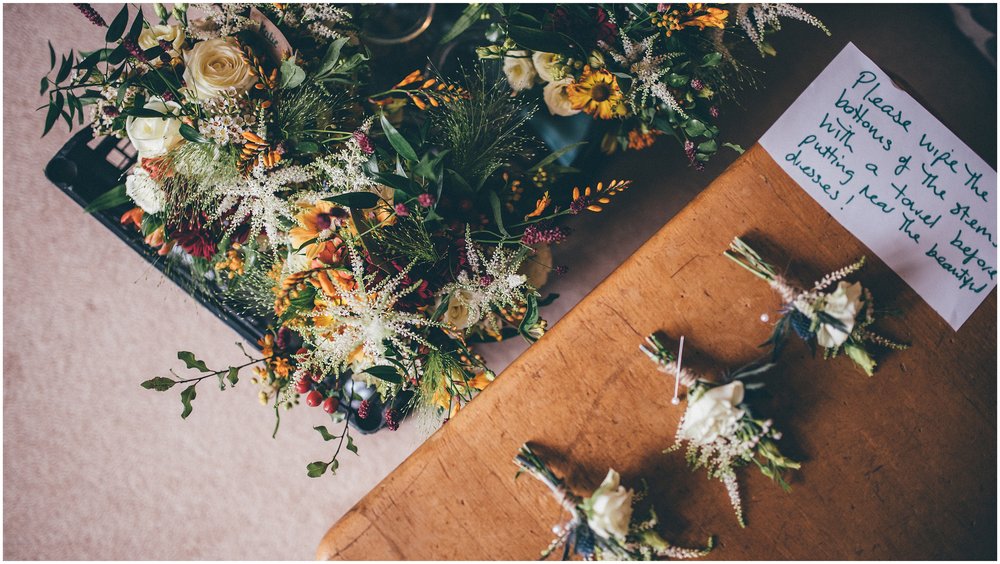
(290, 74)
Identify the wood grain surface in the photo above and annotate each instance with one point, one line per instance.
(898, 466)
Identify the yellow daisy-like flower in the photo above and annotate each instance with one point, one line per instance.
(318, 221)
(598, 94)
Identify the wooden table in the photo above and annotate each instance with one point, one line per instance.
(900, 466)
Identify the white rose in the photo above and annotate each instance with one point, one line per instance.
(715, 413)
(609, 509)
(546, 66)
(215, 66)
(520, 71)
(843, 304)
(150, 37)
(458, 313)
(144, 191)
(556, 99)
(154, 136)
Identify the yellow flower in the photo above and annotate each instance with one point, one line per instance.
(598, 94)
(316, 222)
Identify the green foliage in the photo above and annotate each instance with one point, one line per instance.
(111, 199)
(160, 384)
(485, 131)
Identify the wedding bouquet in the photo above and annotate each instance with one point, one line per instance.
(836, 319)
(603, 525)
(383, 230)
(642, 70)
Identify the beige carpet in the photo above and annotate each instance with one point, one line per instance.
(95, 467)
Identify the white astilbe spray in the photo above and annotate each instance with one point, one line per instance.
(220, 20)
(262, 197)
(365, 317)
(325, 21)
(488, 283)
(648, 70)
(757, 19)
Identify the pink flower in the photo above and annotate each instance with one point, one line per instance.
(425, 200)
(363, 142)
(401, 210)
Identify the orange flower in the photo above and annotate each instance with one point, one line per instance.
(638, 140)
(540, 206)
(133, 216)
(697, 15)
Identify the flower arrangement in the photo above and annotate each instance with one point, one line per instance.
(384, 231)
(836, 319)
(642, 70)
(603, 525)
(720, 431)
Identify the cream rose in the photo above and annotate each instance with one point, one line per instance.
(843, 304)
(150, 37)
(556, 99)
(609, 509)
(714, 413)
(547, 66)
(458, 314)
(519, 69)
(154, 136)
(215, 66)
(144, 191)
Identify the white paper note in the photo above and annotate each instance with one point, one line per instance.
(897, 179)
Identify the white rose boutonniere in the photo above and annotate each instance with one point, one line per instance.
(520, 70)
(609, 509)
(216, 66)
(843, 304)
(556, 99)
(714, 413)
(154, 136)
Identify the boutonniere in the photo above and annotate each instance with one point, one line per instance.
(836, 318)
(604, 525)
(720, 431)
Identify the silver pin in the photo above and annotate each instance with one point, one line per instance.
(764, 318)
(677, 374)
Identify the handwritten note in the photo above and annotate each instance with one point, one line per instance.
(895, 177)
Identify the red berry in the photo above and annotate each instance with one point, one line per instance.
(314, 398)
(392, 419)
(363, 409)
(303, 385)
(331, 404)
